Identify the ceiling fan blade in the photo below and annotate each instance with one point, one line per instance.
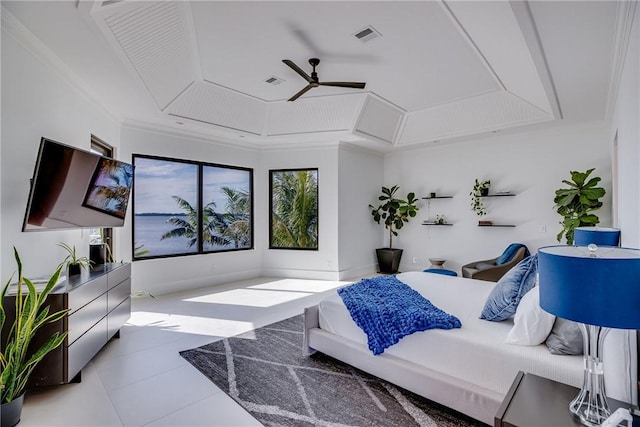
(298, 70)
(354, 85)
(299, 94)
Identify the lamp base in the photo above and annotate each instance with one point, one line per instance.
(590, 406)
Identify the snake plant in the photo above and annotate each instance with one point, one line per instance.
(17, 359)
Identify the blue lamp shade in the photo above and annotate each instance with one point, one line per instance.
(601, 236)
(599, 287)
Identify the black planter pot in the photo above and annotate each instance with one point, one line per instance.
(484, 191)
(12, 411)
(388, 260)
(74, 270)
(98, 254)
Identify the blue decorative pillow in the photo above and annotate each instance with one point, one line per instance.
(506, 295)
(510, 253)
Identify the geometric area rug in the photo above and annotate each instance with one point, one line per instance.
(265, 372)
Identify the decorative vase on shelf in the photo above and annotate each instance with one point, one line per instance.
(12, 411)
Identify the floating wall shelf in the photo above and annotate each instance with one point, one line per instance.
(434, 223)
(500, 195)
(437, 197)
(496, 225)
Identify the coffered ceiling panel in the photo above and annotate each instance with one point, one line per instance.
(153, 38)
(316, 114)
(208, 103)
(485, 113)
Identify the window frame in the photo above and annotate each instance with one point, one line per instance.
(199, 192)
(299, 248)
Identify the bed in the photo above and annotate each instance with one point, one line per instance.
(469, 369)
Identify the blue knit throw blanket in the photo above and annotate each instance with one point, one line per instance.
(387, 310)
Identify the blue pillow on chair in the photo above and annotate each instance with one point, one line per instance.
(510, 252)
(506, 295)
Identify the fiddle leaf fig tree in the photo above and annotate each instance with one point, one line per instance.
(394, 212)
(576, 203)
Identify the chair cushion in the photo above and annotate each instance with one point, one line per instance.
(484, 265)
(440, 271)
(510, 252)
(509, 290)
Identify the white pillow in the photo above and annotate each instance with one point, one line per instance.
(531, 324)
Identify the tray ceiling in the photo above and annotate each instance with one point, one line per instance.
(438, 71)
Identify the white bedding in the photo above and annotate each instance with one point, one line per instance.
(476, 353)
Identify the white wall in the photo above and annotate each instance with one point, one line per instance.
(625, 123)
(320, 264)
(532, 165)
(163, 275)
(360, 179)
(37, 100)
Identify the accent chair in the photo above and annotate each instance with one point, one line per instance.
(493, 269)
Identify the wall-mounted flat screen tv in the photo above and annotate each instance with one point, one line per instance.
(73, 188)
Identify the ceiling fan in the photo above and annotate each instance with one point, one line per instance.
(313, 79)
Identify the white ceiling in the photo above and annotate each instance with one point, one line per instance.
(440, 70)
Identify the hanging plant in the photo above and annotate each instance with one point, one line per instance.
(480, 189)
(576, 203)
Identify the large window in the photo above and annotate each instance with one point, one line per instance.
(183, 207)
(293, 220)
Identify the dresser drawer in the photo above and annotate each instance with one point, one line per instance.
(118, 294)
(118, 317)
(80, 321)
(84, 348)
(82, 295)
(118, 275)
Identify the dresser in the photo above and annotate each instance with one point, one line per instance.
(99, 303)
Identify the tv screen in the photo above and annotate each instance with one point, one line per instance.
(72, 188)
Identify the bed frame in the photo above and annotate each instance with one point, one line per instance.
(470, 399)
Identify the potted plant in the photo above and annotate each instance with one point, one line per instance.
(576, 203)
(18, 358)
(394, 213)
(73, 263)
(480, 189)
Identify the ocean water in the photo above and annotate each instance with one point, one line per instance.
(148, 229)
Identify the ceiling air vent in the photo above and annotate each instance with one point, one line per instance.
(273, 80)
(367, 33)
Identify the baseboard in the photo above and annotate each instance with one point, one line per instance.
(197, 283)
(300, 274)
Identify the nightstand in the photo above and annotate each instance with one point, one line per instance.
(534, 401)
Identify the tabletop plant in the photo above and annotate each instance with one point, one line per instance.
(72, 262)
(576, 203)
(31, 313)
(480, 189)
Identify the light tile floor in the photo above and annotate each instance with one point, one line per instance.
(141, 380)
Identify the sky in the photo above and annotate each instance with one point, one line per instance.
(156, 181)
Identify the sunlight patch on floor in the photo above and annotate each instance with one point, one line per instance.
(250, 297)
(269, 293)
(314, 286)
(198, 325)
